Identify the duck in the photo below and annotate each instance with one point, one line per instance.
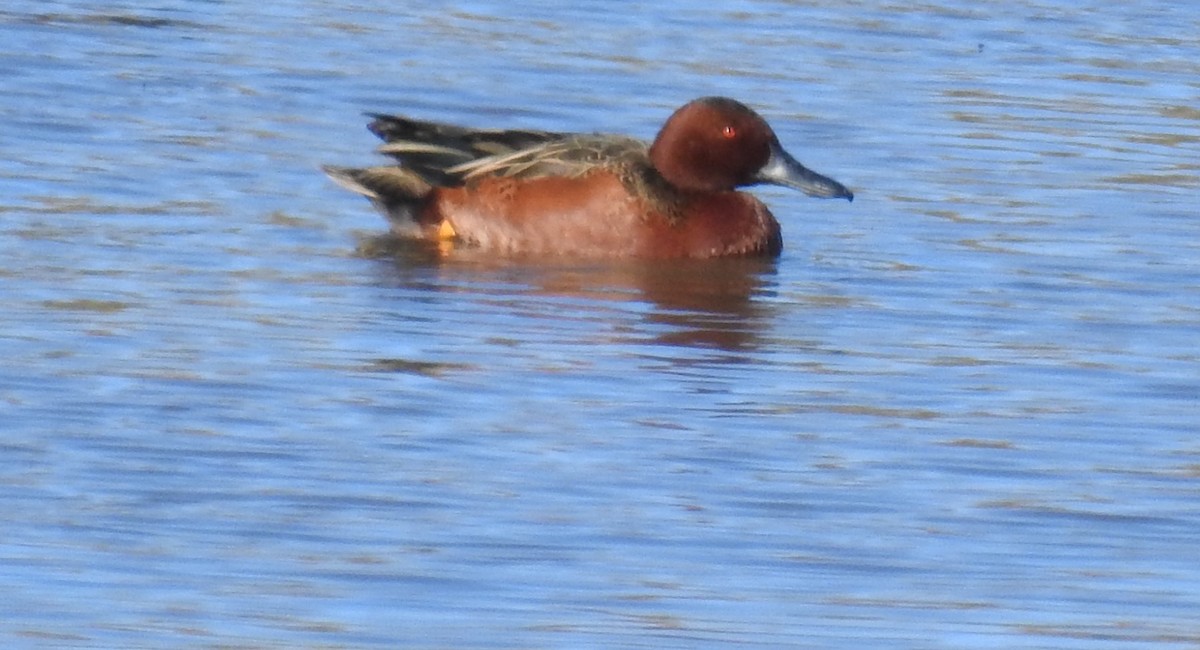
(544, 193)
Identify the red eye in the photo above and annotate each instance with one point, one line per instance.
(729, 132)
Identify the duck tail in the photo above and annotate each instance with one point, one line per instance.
(397, 192)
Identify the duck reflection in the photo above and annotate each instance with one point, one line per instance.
(696, 303)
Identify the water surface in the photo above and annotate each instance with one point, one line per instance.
(958, 412)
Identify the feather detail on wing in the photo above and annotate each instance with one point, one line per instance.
(569, 156)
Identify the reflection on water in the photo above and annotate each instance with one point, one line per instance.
(696, 303)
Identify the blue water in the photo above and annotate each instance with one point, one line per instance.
(962, 411)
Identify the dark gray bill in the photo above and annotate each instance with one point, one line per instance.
(782, 169)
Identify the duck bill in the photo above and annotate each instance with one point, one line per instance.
(782, 169)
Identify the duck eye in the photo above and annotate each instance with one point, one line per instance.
(729, 132)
